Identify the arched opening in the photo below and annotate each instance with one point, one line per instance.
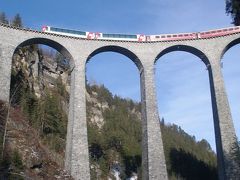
(38, 115)
(231, 74)
(184, 103)
(113, 113)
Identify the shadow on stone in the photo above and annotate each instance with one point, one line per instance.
(232, 162)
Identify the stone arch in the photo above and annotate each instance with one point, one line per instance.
(60, 48)
(120, 50)
(66, 53)
(230, 52)
(229, 46)
(184, 48)
(192, 51)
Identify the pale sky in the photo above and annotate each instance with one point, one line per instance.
(181, 78)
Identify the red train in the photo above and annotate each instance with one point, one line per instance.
(142, 37)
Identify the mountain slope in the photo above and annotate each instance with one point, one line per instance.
(117, 142)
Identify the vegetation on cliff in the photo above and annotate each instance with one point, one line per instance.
(39, 103)
(118, 142)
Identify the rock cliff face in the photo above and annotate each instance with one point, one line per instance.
(29, 152)
(40, 69)
(95, 109)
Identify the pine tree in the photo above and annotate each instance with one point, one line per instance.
(233, 8)
(17, 21)
(3, 18)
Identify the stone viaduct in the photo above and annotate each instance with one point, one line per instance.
(144, 55)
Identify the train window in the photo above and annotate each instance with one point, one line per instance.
(104, 35)
(219, 30)
(213, 31)
(148, 38)
(133, 36)
(57, 29)
(180, 35)
(225, 30)
(53, 29)
(74, 32)
(157, 36)
(174, 35)
(230, 29)
(60, 30)
(119, 36)
(81, 33)
(236, 28)
(185, 34)
(163, 36)
(208, 32)
(168, 36)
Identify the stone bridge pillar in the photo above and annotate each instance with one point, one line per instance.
(154, 166)
(68, 151)
(77, 156)
(223, 124)
(6, 54)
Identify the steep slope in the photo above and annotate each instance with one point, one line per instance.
(186, 157)
(115, 143)
(37, 121)
(26, 154)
